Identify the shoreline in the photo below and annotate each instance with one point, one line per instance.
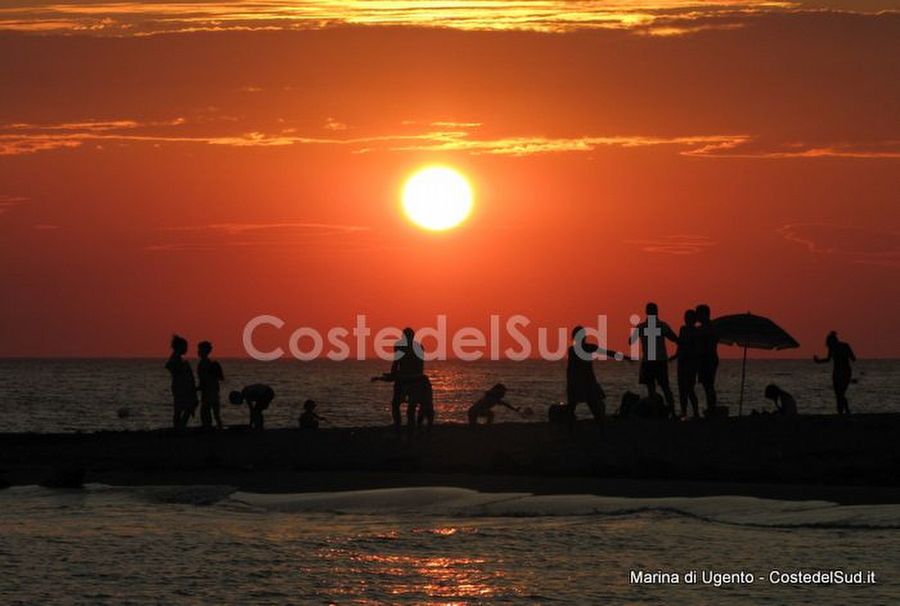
(298, 482)
(850, 460)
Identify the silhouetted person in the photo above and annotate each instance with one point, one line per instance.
(653, 406)
(707, 356)
(422, 397)
(687, 362)
(309, 419)
(483, 407)
(628, 405)
(652, 333)
(209, 377)
(842, 355)
(407, 372)
(785, 404)
(257, 397)
(581, 382)
(184, 389)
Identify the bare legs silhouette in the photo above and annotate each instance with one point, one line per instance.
(654, 371)
(708, 356)
(686, 359)
(841, 354)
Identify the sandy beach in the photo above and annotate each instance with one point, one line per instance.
(847, 460)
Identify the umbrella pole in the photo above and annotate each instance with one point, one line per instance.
(743, 376)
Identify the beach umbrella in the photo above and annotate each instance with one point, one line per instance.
(751, 332)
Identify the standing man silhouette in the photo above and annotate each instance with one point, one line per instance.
(652, 333)
(408, 376)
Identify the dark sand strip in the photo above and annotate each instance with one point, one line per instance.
(844, 459)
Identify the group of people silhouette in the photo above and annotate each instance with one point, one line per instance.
(185, 390)
(696, 356)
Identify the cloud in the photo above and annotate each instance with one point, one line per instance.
(19, 146)
(292, 226)
(91, 125)
(335, 125)
(673, 244)
(531, 145)
(23, 138)
(133, 18)
(242, 234)
(440, 136)
(7, 203)
(684, 29)
(753, 149)
(451, 124)
(850, 243)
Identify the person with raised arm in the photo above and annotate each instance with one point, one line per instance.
(410, 383)
(581, 382)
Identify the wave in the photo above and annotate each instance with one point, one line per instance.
(463, 502)
(449, 501)
(200, 494)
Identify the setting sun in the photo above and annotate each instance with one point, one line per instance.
(437, 198)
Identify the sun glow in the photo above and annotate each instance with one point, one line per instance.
(437, 198)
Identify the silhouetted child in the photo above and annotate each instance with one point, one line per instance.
(652, 406)
(257, 397)
(628, 405)
(842, 374)
(184, 389)
(785, 404)
(209, 376)
(483, 408)
(309, 419)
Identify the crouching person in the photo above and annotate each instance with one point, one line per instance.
(309, 419)
(257, 397)
(785, 404)
(483, 408)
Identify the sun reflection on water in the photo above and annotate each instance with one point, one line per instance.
(447, 577)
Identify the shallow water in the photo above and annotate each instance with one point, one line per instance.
(85, 395)
(194, 545)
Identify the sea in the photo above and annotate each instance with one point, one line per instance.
(438, 546)
(428, 545)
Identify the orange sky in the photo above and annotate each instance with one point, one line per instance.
(186, 166)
